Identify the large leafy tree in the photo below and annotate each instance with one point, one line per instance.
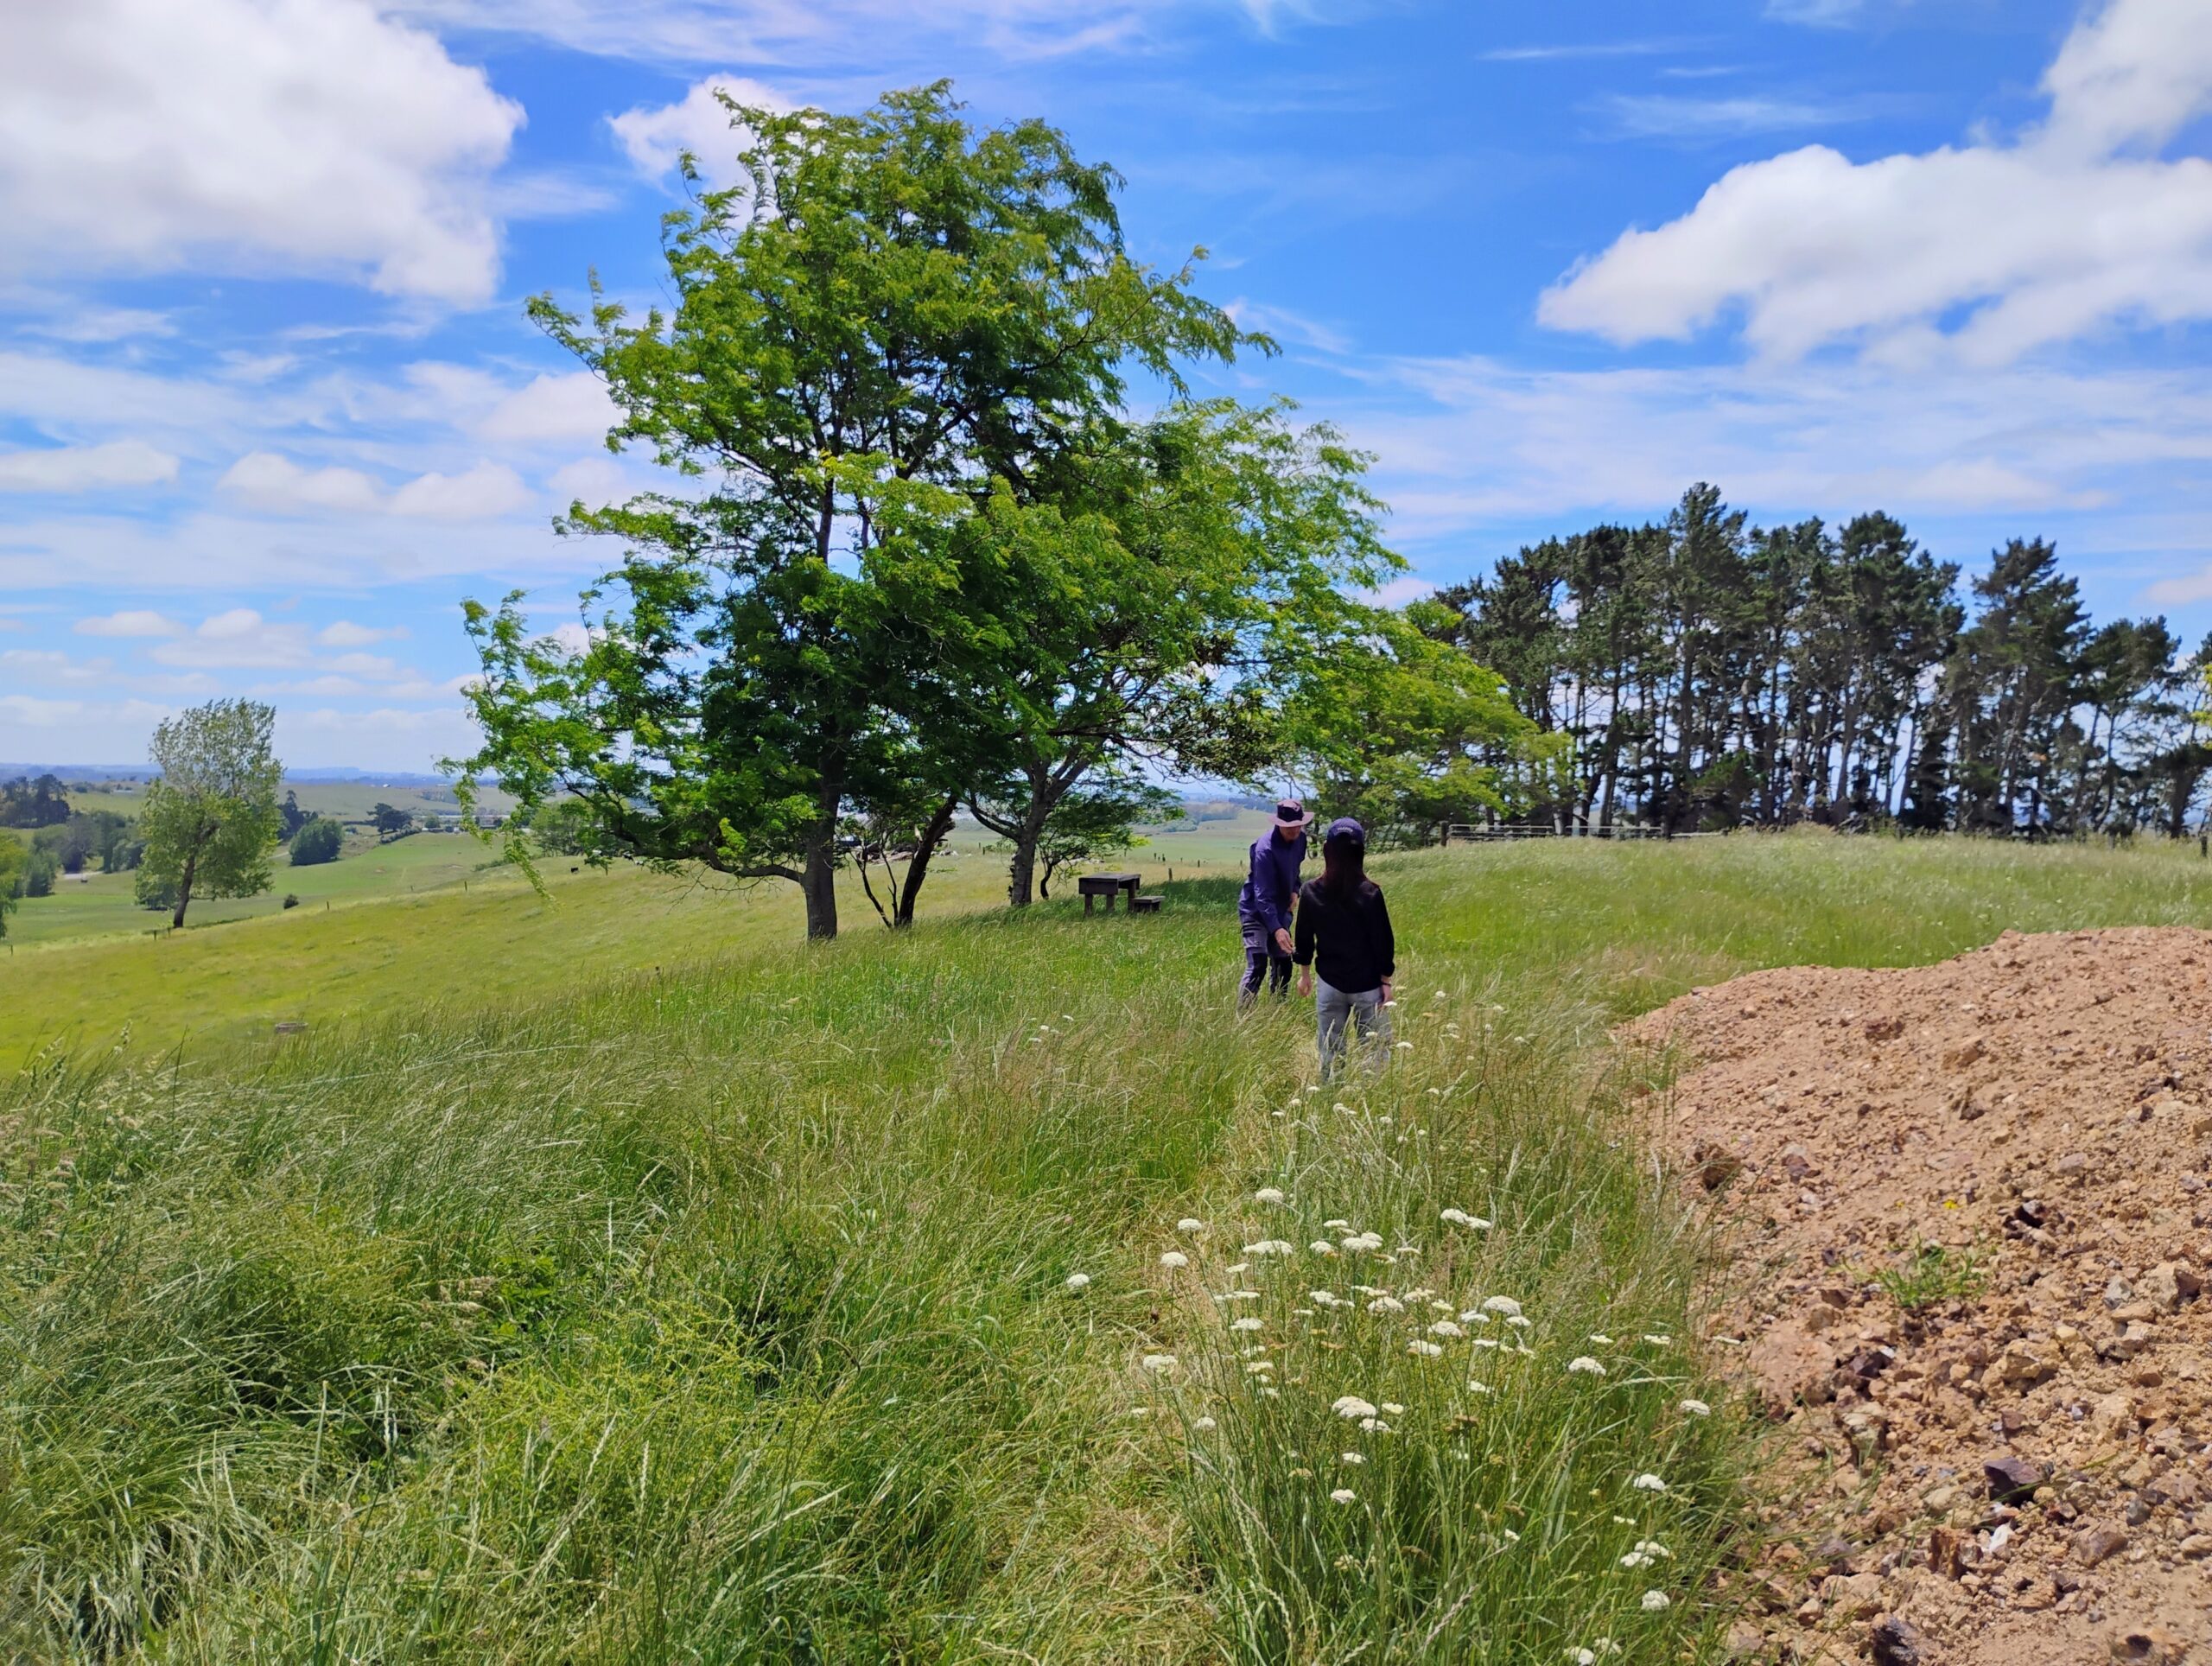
(891, 324)
(212, 818)
(1174, 587)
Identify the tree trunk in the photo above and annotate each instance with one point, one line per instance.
(918, 869)
(184, 888)
(818, 880)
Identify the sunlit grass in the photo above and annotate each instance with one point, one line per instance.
(584, 1313)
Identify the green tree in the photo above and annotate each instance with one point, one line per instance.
(295, 817)
(1097, 820)
(390, 819)
(39, 874)
(13, 857)
(211, 819)
(319, 840)
(892, 322)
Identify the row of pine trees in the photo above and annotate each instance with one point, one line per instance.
(1713, 674)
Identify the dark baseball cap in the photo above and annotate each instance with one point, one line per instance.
(1344, 828)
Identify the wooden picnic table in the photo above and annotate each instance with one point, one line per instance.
(1092, 886)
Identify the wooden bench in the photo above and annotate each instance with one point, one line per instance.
(1144, 905)
(1092, 886)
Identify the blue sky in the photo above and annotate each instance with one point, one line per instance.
(269, 407)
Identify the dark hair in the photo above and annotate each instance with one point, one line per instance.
(1343, 865)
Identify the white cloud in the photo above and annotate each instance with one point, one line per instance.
(241, 639)
(1658, 115)
(52, 668)
(552, 408)
(486, 490)
(131, 621)
(346, 634)
(2075, 225)
(654, 136)
(86, 468)
(313, 135)
(268, 481)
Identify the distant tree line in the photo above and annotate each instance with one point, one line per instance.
(1703, 672)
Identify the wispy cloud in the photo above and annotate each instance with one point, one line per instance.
(1660, 115)
(1571, 50)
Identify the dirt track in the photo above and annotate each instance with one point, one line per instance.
(2013, 1475)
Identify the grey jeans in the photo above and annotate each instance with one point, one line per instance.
(1332, 1007)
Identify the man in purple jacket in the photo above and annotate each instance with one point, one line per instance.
(1264, 907)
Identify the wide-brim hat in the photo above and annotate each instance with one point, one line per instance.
(1291, 817)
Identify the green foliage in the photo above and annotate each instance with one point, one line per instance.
(1403, 733)
(317, 840)
(391, 820)
(211, 821)
(571, 827)
(39, 874)
(1098, 820)
(895, 337)
(1930, 1275)
(27, 803)
(13, 857)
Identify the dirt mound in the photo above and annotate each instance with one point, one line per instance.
(1970, 1210)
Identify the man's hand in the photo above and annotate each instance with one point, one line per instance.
(1282, 939)
(1305, 980)
(1386, 991)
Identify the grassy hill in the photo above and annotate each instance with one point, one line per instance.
(830, 1303)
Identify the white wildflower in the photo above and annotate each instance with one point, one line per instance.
(1350, 1458)
(1585, 1365)
(1173, 1258)
(1322, 1247)
(1695, 1408)
(1338, 1226)
(1350, 1406)
(1442, 1307)
(1240, 1267)
(1203, 1424)
(1601, 1339)
(1267, 1194)
(1391, 1407)
(1652, 1548)
(1505, 1305)
(1250, 1322)
(1079, 1282)
(1326, 1299)
(1444, 1327)
(1362, 1240)
(1635, 1559)
(1485, 1342)
(1157, 1363)
(1403, 1047)
(1658, 1341)
(1424, 1350)
(1386, 1305)
(1581, 1657)
(1516, 1320)
(1654, 1601)
(1258, 1367)
(1271, 1247)
(1190, 1224)
(1474, 1387)
(1648, 1483)
(1461, 1217)
(1474, 1316)
(1420, 1293)
(1343, 1494)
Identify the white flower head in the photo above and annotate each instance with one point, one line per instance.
(1505, 1305)
(1386, 1305)
(1581, 1657)
(1392, 1408)
(1351, 1407)
(1267, 1194)
(1204, 1423)
(1350, 1458)
(1190, 1224)
(1657, 1340)
(1271, 1247)
(1695, 1409)
(1461, 1217)
(1424, 1350)
(1444, 1327)
(1322, 1247)
(1374, 1426)
(1359, 1242)
(1648, 1483)
(1337, 1226)
(1326, 1299)
(1601, 1339)
(1654, 1601)
(1171, 1259)
(1079, 1282)
(1343, 1494)
(1250, 1322)
(1582, 1364)
(1474, 1387)
(1518, 1321)
(1158, 1364)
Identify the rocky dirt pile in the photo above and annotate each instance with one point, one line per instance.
(1971, 1221)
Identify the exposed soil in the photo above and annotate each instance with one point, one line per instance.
(2010, 1466)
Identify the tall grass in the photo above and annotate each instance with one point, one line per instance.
(726, 1313)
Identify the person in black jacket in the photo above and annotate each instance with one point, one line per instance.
(1345, 927)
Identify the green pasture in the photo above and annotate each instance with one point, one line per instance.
(615, 1277)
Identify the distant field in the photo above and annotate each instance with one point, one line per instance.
(348, 801)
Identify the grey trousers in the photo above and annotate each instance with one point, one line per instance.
(1332, 1007)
